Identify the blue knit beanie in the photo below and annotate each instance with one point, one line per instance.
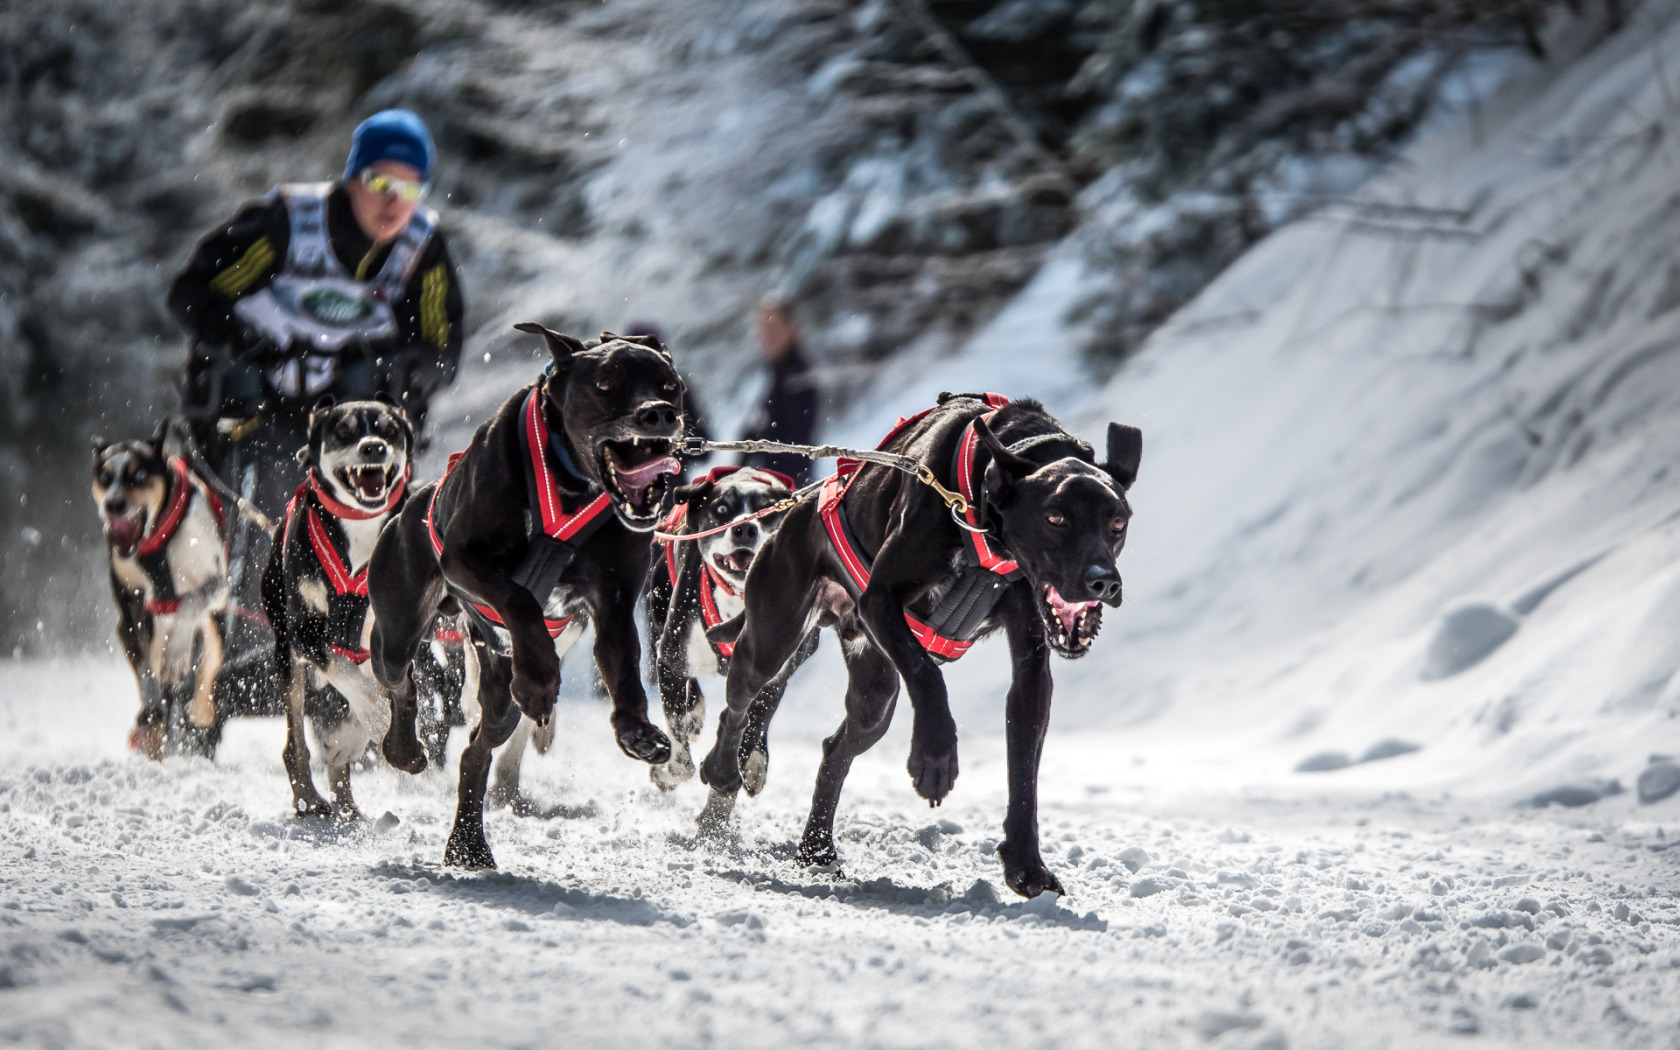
(391, 134)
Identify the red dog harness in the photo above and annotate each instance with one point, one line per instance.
(151, 553)
(348, 605)
(948, 629)
(710, 582)
(565, 529)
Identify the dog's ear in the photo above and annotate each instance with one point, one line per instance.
(407, 426)
(1007, 468)
(317, 423)
(100, 444)
(1125, 451)
(560, 347)
(694, 491)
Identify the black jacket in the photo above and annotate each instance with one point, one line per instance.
(244, 256)
(789, 415)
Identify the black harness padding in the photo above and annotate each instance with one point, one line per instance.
(968, 601)
(555, 535)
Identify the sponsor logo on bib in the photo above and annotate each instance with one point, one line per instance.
(331, 306)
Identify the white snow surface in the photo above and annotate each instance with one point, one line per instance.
(1454, 401)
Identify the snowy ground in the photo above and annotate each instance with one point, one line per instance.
(177, 905)
(1456, 392)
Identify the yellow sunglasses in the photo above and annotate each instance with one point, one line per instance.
(390, 186)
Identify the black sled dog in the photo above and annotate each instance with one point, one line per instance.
(314, 591)
(165, 533)
(1034, 556)
(543, 519)
(696, 587)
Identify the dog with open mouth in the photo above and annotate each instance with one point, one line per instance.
(314, 591)
(543, 521)
(908, 583)
(697, 586)
(165, 537)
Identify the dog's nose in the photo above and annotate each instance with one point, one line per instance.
(1104, 582)
(744, 533)
(657, 414)
(373, 448)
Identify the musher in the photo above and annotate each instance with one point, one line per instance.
(342, 288)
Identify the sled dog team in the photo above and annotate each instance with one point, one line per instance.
(568, 507)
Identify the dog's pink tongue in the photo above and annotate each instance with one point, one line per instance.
(1066, 611)
(641, 477)
(124, 532)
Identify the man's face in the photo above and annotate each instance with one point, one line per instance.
(775, 332)
(383, 215)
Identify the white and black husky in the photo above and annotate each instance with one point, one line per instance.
(164, 533)
(695, 590)
(315, 590)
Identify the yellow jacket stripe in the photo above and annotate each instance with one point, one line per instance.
(434, 322)
(233, 281)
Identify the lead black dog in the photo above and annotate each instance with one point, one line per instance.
(544, 518)
(1036, 560)
(697, 587)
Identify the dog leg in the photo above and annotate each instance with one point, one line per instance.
(202, 711)
(364, 723)
(871, 695)
(685, 711)
(755, 742)
(618, 654)
(467, 847)
(1027, 718)
(404, 588)
(933, 734)
(774, 627)
(294, 675)
(506, 791)
(344, 743)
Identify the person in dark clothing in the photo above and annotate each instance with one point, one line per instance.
(342, 288)
(789, 412)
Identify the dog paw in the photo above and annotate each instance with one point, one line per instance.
(1028, 877)
(933, 772)
(820, 855)
(305, 806)
(667, 776)
(468, 849)
(535, 695)
(403, 750)
(754, 770)
(720, 771)
(521, 804)
(644, 742)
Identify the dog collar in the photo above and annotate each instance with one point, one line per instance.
(339, 509)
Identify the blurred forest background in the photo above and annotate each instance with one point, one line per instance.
(899, 169)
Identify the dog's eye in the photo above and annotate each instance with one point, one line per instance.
(605, 386)
(139, 476)
(671, 387)
(1055, 518)
(720, 510)
(1118, 525)
(345, 433)
(105, 478)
